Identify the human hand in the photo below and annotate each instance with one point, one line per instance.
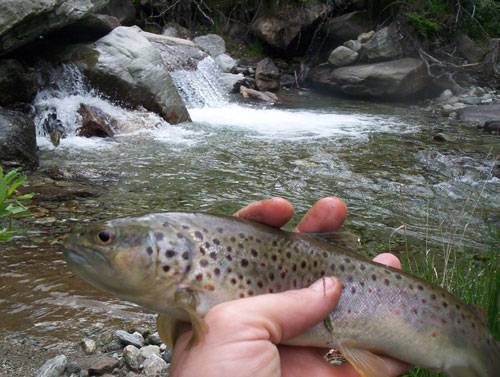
(244, 335)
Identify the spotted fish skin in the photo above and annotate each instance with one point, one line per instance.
(149, 259)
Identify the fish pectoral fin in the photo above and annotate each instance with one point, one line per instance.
(168, 327)
(200, 327)
(366, 363)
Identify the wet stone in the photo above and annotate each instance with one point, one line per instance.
(131, 356)
(88, 346)
(147, 351)
(153, 339)
(113, 345)
(155, 366)
(167, 355)
(73, 368)
(53, 368)
(135, 339)
(102, 365)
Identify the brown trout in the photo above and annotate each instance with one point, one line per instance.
(182, 264)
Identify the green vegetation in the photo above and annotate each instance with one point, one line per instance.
(11, 204)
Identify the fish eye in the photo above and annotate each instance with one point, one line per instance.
(105, 236)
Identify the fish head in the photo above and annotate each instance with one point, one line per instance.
(136, 259)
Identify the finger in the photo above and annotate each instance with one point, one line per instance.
(276, 317)
(388, 259)
(274, 212)
(326, 215)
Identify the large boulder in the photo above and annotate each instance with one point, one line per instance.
(23, 21)
(383, 45)
(342, 56)
(288, 29)
(17, 140)
(267, 75)
(393, 79)
(469, 49)
(212, 44)
(17, 83)
(346, 27)
(126, 66)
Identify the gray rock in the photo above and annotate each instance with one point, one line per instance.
(353, 44)
(267, 75)
(155, 366)
(146, 351)
(89, 346)
(131, 355)
(172, 29)
(365, 37)
(17, 140)
(342, 56)
(480, 114)
(167, 355)
(53, 368)
(283, 27)
(73, 368)
(17, 83)
(153, 339)
(445, 96)
(348, 26)
(442, 137)
(127, 67)
(24, 21)
(212, 44)
(469, 100)
(492, 127)
(102, 365)
(469, 49)
(384, 45)
(126, 338)
(394, 79)
(230, 80)
(225, 62)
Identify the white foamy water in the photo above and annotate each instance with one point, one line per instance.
(291, 124)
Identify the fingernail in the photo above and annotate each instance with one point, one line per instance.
(324, 284)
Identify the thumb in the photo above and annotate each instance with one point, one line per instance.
(279, 316)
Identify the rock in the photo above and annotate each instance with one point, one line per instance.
(131, 355)
(394, 79)
(365, 37)
(225, 62)
(126, 338)
(267, 75)
(176, 53)
(469, 100)
(89, 346)
(469, 49)
(155, 366)
(24, 21)
(17, 83)
(17, 140)
(480, 114)
(73, 368)
(231, 80)
(91, 27)
(492, 127)
(354, 45)
(287, 81)
(289, 28)
(146, 351)
(123, 10)
(95, 122)
(255, 94)
(348, 26)
(102, 365)
(172, 29)
(212, 44)
(342, 56)
(384, 45)
(127, 67)
(113, 345)
(167, 355)
(442, 137)
(445, 96)
(153, 339)
(53, 368)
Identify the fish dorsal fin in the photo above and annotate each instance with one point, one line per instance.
(479, 312)
(343, 240)
(168, 327)
(366, 363)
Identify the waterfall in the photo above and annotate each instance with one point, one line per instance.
(202, 87)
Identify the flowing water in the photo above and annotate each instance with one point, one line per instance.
(381, 158)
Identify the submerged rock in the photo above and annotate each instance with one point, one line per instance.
(53, 368)
(17, 140)
(393, 79)
(127, 67)
(267, 75)
(95, 122)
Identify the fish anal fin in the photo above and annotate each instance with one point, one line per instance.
(168, 327)
(343, 240)
(366, 363)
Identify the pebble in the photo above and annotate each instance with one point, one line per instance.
(89, 346)
(103, 364)
(131, 356)
(53, 367)
(167, 355)
(153, 339)
(135, 339)
(155, 366)
(147, 351)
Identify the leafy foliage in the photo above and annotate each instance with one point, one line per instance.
(11, 204)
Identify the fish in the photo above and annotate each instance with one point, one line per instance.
(181, 264)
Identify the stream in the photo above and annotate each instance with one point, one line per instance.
(380, 158)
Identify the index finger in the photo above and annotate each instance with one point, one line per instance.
(274, 212)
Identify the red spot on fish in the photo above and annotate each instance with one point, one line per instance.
(270, 290)
(209, 287)
(199, 277)
(242, 295)
(250, 293)
(370, 290)
(434, 334)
